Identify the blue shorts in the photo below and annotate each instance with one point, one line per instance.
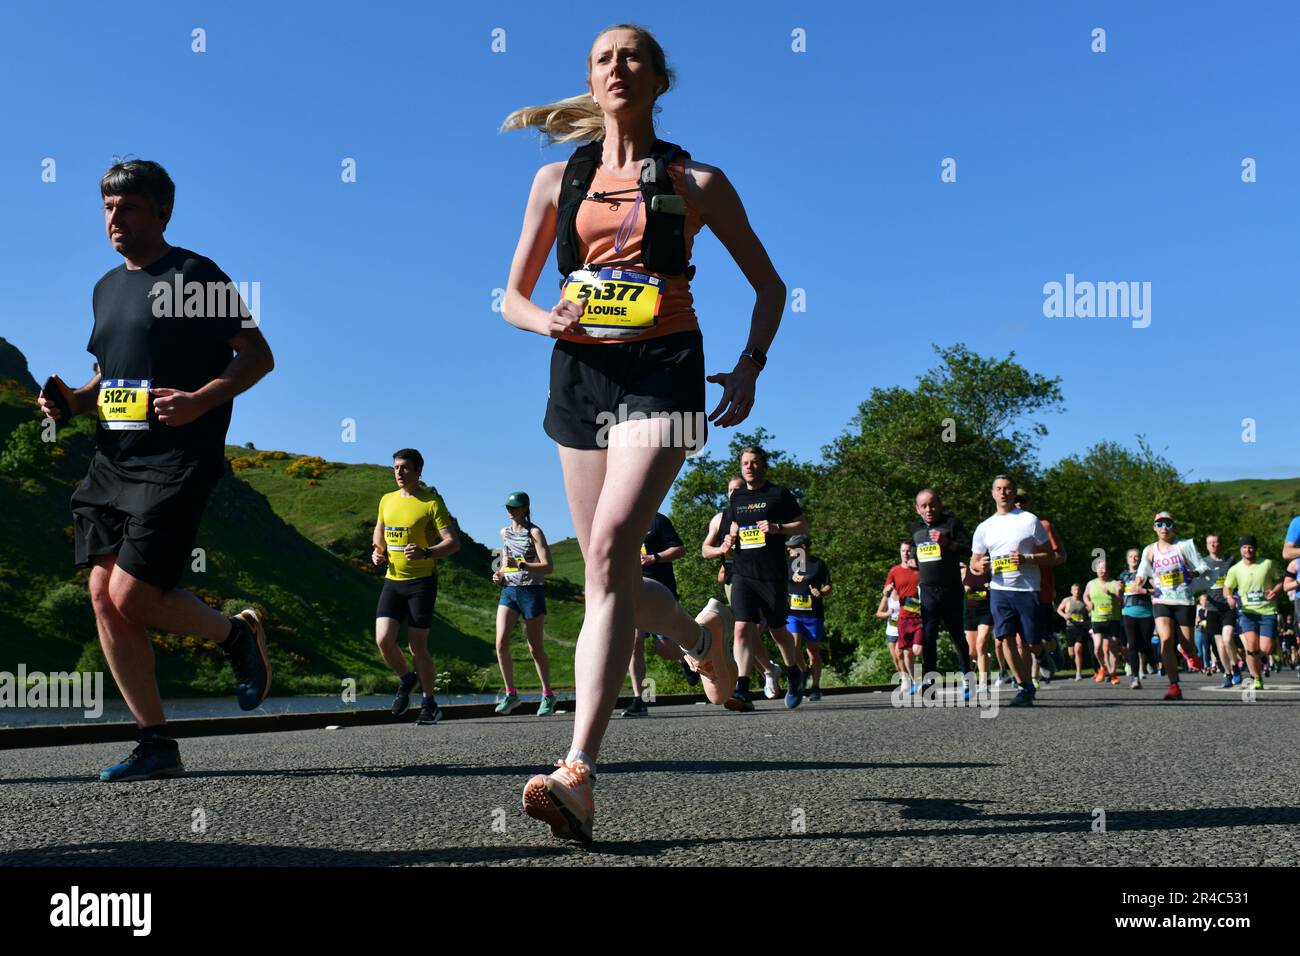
(811, 627)
(1015, 612)
(1265, 625)
(528, 599)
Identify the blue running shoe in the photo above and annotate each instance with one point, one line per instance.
(147, 761)
(1227, 681)
(1023, 699)
(1236, 679)
(248, 660)
(794, 688)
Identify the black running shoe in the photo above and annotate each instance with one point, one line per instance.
(246, 651)
(402, 700)
(430, 714)
(636, 709)
(692, 678)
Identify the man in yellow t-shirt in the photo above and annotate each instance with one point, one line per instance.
(413, 531)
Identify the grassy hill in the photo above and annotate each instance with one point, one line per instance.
(296, 548)
(1278, 495)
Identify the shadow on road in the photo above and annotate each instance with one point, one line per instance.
(524, 770)
(176, 853)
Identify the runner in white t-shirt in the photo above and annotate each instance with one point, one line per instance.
(1010, 546)
(1170, 565)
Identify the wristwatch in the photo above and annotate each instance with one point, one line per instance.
(757, 356)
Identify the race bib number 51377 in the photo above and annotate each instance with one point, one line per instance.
(615, 298)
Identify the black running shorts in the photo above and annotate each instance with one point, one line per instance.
(413, 600)
(596, 386)
(1183, 614)
(147, 517)
(754, 601)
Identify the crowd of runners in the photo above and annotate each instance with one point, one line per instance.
(622, 213)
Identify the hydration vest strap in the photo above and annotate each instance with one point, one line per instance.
(663, 241)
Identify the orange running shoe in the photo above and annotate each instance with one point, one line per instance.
(1100, 675)
(1114, 678)
(563, 800)
(717, 669)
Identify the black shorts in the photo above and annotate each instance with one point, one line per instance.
(978, 617)
(1076, 633)
(1184, 615)
(1111, 629)
(755, 601)
(1218, 616)
(401, 600)
(596, 386)
(147, 517)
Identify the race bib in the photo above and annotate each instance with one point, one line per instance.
(1103, 607)
(615, 298)
(1219, 581)
(1171, 579)
(1131, 588)
(912, 605)
(124, 404)
(1005, 565)
(1076, 618)
(396, 538)
(1256, 596)
(752, 537)
(801, 602)
(928, 552)
(979, 595)
(643, 550)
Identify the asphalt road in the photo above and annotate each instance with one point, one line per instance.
(850, 780)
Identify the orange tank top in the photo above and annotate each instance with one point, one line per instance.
(598, 225)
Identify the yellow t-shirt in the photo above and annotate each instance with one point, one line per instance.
(412, 519)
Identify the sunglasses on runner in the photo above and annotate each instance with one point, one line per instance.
(1164, 524)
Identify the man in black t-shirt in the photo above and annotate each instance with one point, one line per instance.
(762, 515)
(174, 345)
(942, 546)
(810, 582)
(660, 549)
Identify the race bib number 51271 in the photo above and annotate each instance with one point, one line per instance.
(124, 404)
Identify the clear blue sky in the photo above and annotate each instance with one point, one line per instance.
(376, 296)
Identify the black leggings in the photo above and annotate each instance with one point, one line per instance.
(1138, 631)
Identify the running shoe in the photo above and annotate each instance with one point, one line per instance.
(1100, 675)
(1047, 666)
(402, 700)
(717, 669)
(692, 678)
(150, 759)
(563, 800)
(772, 685)
(1227, 681)
(1174, 693)
(739, 701)
(1036, 684)
(815, 694)
(1114, 679)
(1128, 670)
(636, 709)
(1195, 664)
(507, 703)
(998, 682)
(1078, 676)
(1257, 684)
(1135, 683)
(430, 714)
(794, 688)
(1023, 699)
(246, 651)
(547, 706)
(1236, 679)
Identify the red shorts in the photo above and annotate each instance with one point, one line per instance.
(909, 631)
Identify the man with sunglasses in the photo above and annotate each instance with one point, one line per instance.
(1170, 565)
